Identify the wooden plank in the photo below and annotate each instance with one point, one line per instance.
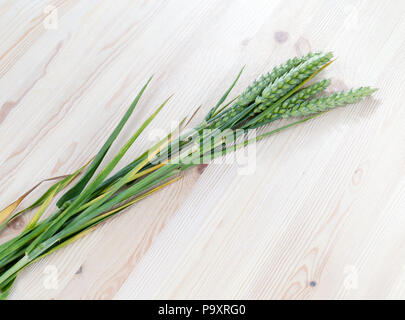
(320, 217)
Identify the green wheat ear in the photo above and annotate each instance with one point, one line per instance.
(326, 103)
(290, 80)
(298, 98)
(254, 91)
(257, 87)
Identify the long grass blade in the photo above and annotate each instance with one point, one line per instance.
(212, 112)
(98, 208)
(110, 213)
(149, 182)
(85, 194)
(40, 211)
(55, 188)
(104, 194)
(225, 106)
(87, 228)
(138, 160)
(5, 291)
(80, 185)
(7, 211)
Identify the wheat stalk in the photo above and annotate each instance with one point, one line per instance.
(278, 94)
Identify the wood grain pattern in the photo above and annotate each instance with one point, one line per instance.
(322, 216)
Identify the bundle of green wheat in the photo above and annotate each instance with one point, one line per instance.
(278, 94)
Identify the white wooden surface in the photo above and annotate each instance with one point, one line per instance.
(323, 215)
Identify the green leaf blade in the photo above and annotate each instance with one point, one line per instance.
(80, 185)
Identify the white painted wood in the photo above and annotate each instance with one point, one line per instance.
(322, 217)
